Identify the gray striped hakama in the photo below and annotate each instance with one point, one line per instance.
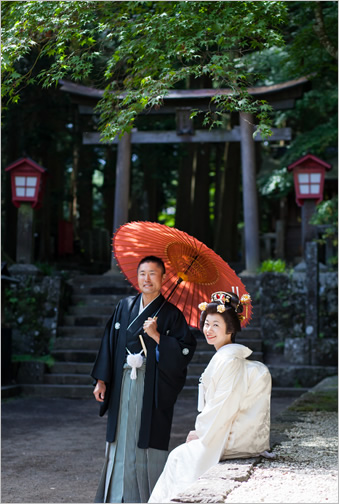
(130, 473)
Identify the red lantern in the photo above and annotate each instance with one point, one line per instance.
(28, 182)
(309, 175)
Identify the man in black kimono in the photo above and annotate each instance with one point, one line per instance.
(138, 385)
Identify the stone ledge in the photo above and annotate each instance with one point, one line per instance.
(8, 391)
(218, 481)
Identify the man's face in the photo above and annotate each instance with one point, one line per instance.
(150, 278)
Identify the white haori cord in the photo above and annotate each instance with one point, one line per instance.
(135, 361)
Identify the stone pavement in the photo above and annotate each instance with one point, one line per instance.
(53, 450)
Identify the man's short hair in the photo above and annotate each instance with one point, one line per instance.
(153, 259)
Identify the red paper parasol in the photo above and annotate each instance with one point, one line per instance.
(193, 271)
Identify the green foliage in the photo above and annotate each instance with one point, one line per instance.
(315, 121)
(24, 311)
(297, 383)
(326, 214)
(272, 265)
(279, 344)
(276, 183)
(45, 268)
(144, 49)
(310, 50)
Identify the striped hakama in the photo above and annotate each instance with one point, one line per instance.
(130, 473)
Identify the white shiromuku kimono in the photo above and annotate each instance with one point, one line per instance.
(234, 421)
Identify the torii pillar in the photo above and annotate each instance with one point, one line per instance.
(250, 198)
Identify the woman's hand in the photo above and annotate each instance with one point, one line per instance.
(192, 435)
(99, 391)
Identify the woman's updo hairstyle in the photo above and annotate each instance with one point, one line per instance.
(226, 304)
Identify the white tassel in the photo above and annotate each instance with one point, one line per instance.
(135, 361)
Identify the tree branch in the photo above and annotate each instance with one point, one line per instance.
(320, 30)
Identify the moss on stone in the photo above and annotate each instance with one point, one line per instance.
(324, 400)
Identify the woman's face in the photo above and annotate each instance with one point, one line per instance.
(215, 331)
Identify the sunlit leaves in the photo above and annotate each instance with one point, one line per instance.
(146, 49)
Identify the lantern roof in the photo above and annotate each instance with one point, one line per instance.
(310, 161)
(26, 162)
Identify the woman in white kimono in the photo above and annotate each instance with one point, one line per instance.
(234, 403)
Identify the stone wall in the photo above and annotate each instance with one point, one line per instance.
(33, 309)
(283, 299)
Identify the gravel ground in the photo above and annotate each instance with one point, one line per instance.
(305, 468)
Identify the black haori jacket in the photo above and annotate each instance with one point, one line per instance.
(163, 379)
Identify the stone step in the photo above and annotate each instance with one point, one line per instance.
(83, 368)
(202, 356)
(102, 287)
(75, 355)
(80, 332)
(80, 281)
(94, 321)
(68, 379)
(196, 368)
(92, 300)
(77, 344)
(91, 310)
(50, 390)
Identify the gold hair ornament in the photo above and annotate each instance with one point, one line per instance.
(202, 306)
(245, 299)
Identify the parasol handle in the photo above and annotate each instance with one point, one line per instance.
(169, 295)
(180, 279)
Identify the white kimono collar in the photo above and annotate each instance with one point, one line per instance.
(236, 350)
(142, 307)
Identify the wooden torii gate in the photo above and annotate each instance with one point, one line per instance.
(180, 102)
